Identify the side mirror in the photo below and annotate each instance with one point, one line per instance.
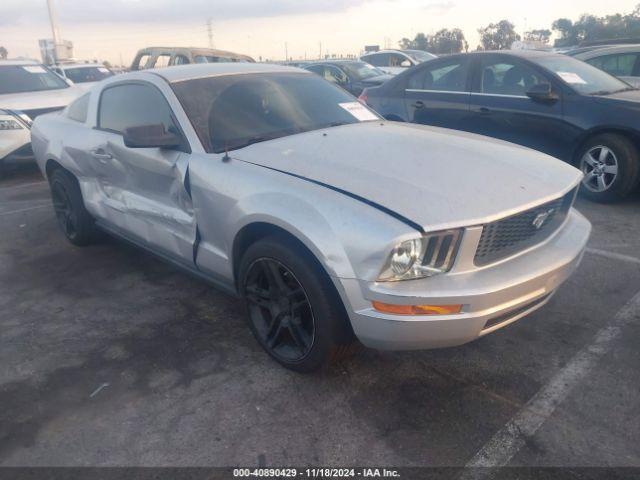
(406, 64)
(150, 136)
(542, 92)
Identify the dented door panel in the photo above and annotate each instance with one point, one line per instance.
(143, 192)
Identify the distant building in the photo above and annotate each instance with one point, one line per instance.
(52, 53)
(371, 48)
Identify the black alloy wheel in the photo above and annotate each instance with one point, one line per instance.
(279, 310)
(73, 218)
(63, 207)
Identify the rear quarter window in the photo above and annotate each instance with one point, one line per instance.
(78, 109)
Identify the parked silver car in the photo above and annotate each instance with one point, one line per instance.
(622, 61)
(396, 61)
(330, 222)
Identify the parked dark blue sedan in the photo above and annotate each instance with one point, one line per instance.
(549, 102)
(352, 75)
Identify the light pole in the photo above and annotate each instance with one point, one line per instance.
(54, 30)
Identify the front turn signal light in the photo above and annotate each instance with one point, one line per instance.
(417, 309)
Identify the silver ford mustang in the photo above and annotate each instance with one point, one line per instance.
(331, 223)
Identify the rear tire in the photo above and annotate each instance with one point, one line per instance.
(293, 309)
(73, 219)
(611, 165)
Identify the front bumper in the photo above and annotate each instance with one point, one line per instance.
(15, 146)
(493, 297)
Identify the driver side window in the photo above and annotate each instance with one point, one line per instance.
(448, 76)
(395, 60)
(506, 77)
(377, 59)
(133, 105)
(335, 75)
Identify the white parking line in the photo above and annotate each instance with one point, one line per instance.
(509, 440)
(22, 185)
(613, 255)
(11, 212)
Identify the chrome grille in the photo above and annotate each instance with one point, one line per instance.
(516, 233)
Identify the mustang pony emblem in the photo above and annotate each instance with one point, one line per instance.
(541, 218)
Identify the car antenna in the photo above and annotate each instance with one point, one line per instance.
(226, 157)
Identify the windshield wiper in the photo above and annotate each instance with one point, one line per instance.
(611, 92)
(246, 142)
(626, 89)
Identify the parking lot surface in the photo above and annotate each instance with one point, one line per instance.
(111, 357)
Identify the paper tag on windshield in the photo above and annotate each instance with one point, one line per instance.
(34, 69)
(571, 77)
(359, 111)
(103, 70)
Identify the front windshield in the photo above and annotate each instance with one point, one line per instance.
(87, 74)
(361, 70)
(419, 55)
(581, 76)
(28, 78)
(234, 111)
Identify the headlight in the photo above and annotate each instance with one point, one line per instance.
(9, 124)
(429, 255)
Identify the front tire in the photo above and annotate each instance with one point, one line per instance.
(73, 219)
(293, 309)
(611, 167)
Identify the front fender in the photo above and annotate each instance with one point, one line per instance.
(298, 217)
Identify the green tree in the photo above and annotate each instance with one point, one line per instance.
(107, 64)
(541, 35)
(3, 53)
(498, 36)
(444, 41)
(589, 28)
(448, 41)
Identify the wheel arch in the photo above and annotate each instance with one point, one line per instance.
(255, 231)
(629, 134)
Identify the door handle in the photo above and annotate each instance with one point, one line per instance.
(100, 155)
(418, 104)
(484, 110)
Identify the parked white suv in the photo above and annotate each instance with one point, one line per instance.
(85, 75)
(27, 89)
(396, 61)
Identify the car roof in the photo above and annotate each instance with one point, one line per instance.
(194, 51)
(526, 54)
(388, 50)
(202, 70)
(606, 50)
(79, 65)
(18, 62)
(337, 61)
(520, 53)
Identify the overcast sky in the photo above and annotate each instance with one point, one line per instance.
(114, 29)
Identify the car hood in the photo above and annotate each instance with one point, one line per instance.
(631, 97)
(435, 177)
(40, 100)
